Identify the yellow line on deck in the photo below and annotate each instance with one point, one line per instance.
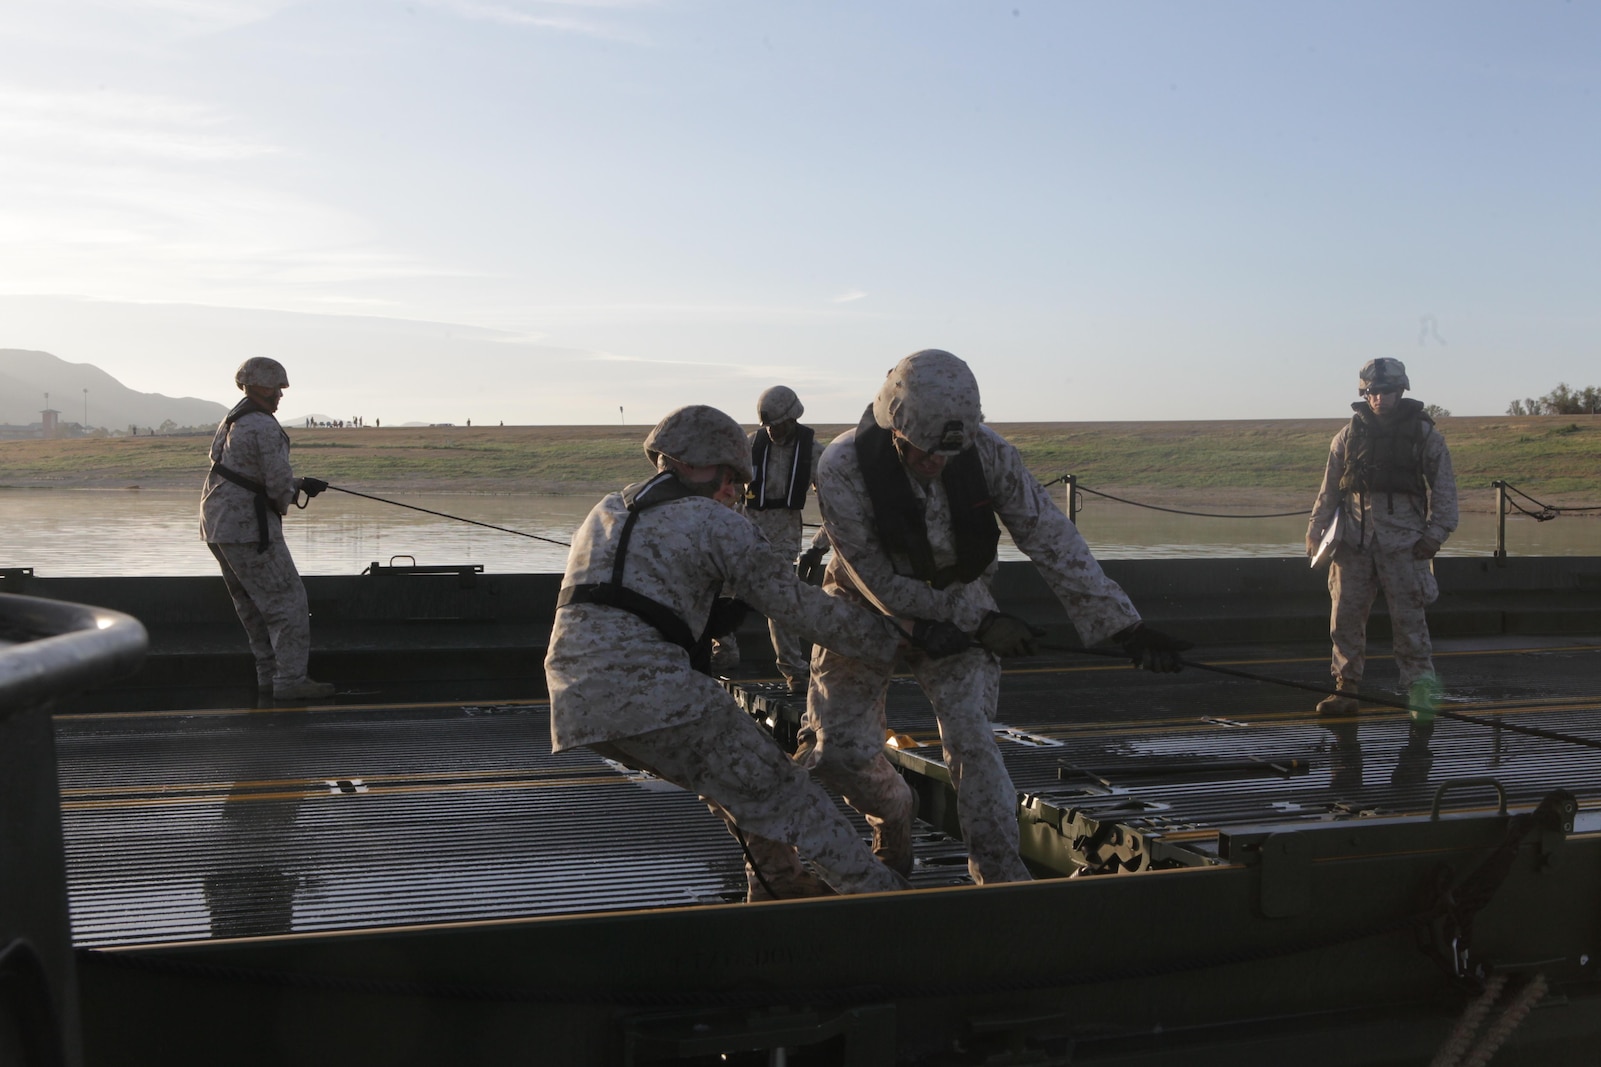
(443, 777)
(1195, 724)
(1116, 666)
(323, 709)
(320, 791)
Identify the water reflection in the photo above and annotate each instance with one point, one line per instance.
(251, 889)
(62, 532)
(1345, 753)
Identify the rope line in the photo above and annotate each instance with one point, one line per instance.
(1079, 488)
(1366, 698)
(444, 515)
(1547, 512)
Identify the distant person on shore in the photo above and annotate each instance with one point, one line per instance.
(247, 493)
(784, 457)
(624, 667)
(910, 499)
(1389, 485)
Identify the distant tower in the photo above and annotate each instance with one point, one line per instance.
(50, 419)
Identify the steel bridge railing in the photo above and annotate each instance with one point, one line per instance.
(48, 649)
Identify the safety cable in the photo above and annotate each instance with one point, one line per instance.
(444, 515)
(1172, 511)
(1367, 698)
(1547, 512)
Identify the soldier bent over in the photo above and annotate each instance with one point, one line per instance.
(625, 661)
(910, 500)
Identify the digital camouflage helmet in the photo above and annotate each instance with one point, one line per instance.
(931, 399)
(1382, 375)
(700, 436)
(778, 404)
(263, 372)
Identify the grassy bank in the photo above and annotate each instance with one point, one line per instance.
(1557, 458)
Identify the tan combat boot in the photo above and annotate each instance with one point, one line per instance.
(892, 843)
(1339, 705)
(305, 689)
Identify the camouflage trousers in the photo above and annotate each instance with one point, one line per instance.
(783, 529)
(747, 780)
(1355, 578)
(792, 654)
(270, 600)
(842, 739)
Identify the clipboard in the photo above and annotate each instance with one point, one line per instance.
(1325, 548)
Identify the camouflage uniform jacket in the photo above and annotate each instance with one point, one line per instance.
(257, 447)
(1097, 605)
(613, 675)
(1392, 522)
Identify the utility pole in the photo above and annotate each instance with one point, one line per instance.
(86, 407)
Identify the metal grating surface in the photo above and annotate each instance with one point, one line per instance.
(235, 823)
(1166, 752)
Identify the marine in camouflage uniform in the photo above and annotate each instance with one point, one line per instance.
(922, 544)
(246, 494)
(784, 458)
(1389, 479)
(620, 669)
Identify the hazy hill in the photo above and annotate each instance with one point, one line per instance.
(26, 376)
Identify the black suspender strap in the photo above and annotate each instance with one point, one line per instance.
(263, 531)
(614, 594)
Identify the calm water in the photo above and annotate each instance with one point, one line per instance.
(139, 532)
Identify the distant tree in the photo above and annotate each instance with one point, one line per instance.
(167, 426)
(1563, 400)
(1435, 411)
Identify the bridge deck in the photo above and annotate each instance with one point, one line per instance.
(233, 821)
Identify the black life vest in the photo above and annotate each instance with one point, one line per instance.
(263, 501)
(726, 613)
(899, 516)
(800, 472)
(1386, 456)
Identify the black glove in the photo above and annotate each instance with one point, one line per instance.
(1152, 649)
(726, 616)
(810, 565)
(312, 486)
(939, 639)
(1007, 635)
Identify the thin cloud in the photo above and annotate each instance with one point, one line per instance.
(848, 296)
(669, 312)
(117, 124)
(543, 16)
(131, 26)
(139, 196)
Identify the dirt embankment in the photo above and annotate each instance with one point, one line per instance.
(1229, 465)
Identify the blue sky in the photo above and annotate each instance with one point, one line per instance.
(539, 212)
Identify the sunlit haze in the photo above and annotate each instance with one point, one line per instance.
(503, 210)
